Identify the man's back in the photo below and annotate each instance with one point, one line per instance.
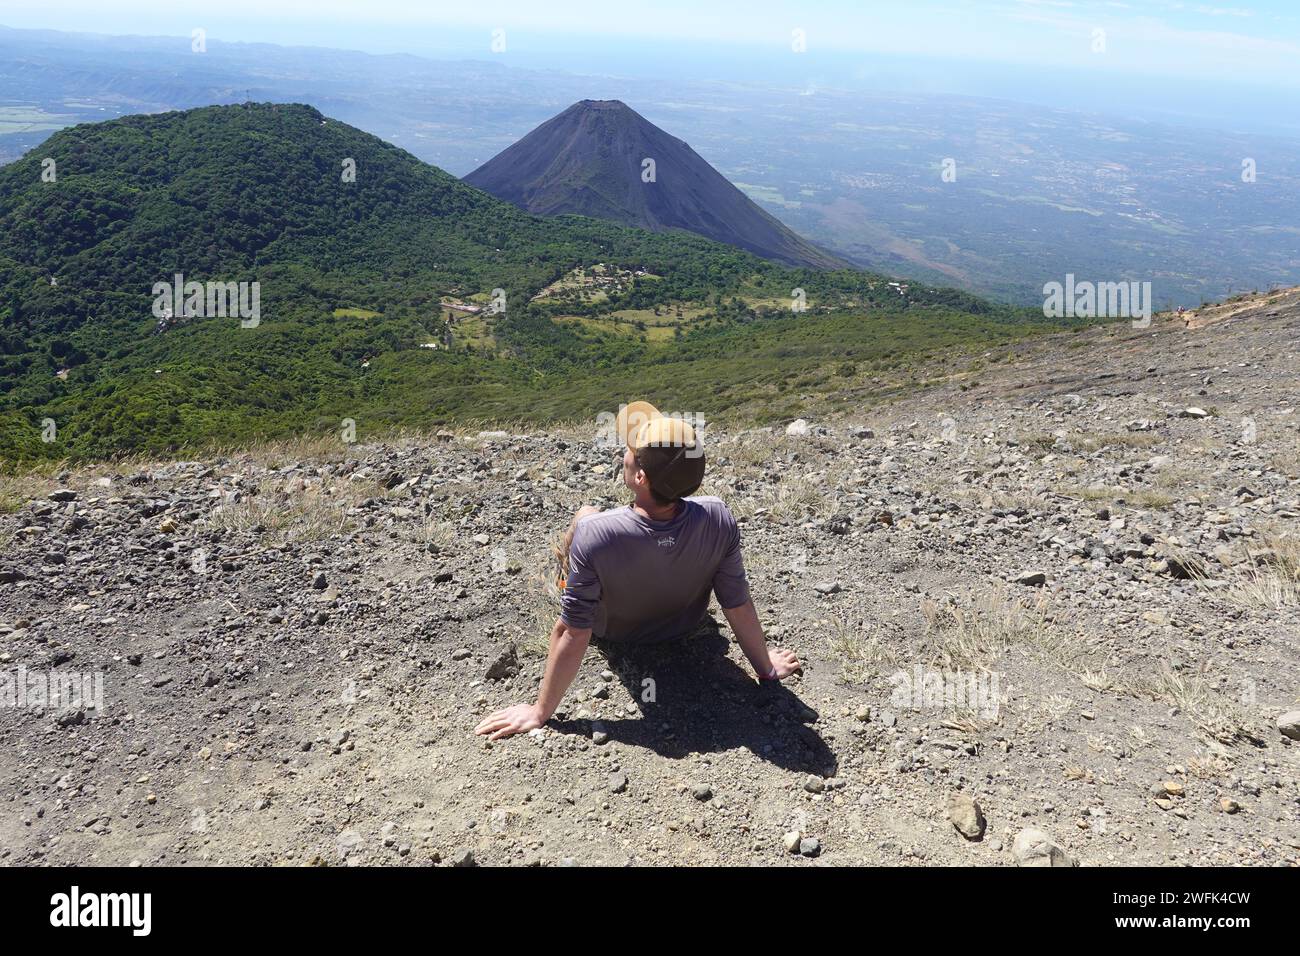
(632, 579)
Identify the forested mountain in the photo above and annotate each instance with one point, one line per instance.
(362, 254)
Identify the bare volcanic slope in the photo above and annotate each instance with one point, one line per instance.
(295, 642)
(590, 160)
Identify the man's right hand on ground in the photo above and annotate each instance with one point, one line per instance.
(785, 662)
(518, 719)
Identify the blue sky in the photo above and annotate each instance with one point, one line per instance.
(1251, 43)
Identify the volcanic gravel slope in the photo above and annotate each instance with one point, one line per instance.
(295, 642)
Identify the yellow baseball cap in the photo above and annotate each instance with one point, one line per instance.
(666, 448)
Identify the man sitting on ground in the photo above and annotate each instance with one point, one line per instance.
(643, 573)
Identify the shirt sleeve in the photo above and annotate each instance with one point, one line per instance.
(730, 585)
(581, 586)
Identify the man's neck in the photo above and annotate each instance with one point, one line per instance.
(654, 512)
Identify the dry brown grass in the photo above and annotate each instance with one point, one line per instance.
(1039, 444)
(749, 451)
(1104, 682)
(1287, 460)
(1214, 715)
(1134, 497)
(1042, 712)
(861, 654)
(1092, 442)
(973, 638)
(317, 449)
(1138, 738)
(540, 603)
(287, 515)
(1009, 498)
(16, 490)
(972, 723)
(1271, 582)
(1087, 442)
(1210, 766)
(11, 499)
(330, 446)
(796, 498)
(440, 534)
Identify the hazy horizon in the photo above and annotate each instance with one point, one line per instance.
(1229, 67)
(845, 154)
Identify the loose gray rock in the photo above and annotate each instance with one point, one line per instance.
(966, 815)
(506, 664)
(1033, 579)
(1035, 848)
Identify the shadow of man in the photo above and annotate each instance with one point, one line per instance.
(694, 698)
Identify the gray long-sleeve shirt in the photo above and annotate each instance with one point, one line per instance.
(636, 580)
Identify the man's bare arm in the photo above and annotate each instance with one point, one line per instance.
(568, 645)
(749, 634)
(562, 662)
